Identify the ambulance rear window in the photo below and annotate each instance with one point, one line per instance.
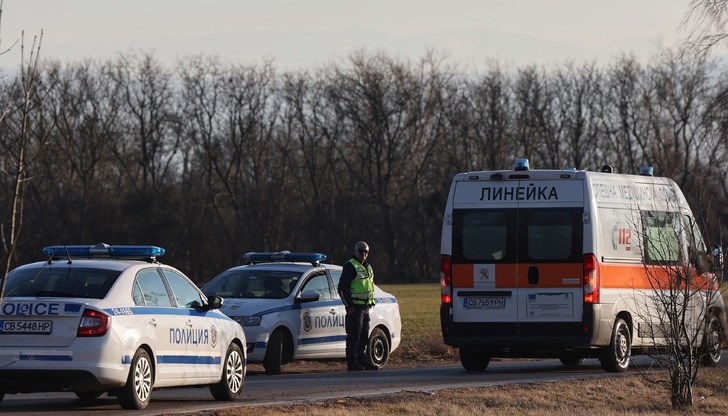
(484, 235)
(550, 235)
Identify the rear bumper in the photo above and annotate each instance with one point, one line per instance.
(30, 381)
(532, 340)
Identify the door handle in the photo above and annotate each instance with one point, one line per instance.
(153, 322)
(533, 275)
(188, 322)
(332, 311)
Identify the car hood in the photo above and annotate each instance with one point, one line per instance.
(247, 307)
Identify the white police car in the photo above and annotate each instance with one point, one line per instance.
(95, 319)
(290, 309)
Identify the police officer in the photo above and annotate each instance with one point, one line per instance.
(356, 288)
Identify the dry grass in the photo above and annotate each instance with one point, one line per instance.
(618, 395)
(422, 344)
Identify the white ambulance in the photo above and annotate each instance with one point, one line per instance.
(571, 264)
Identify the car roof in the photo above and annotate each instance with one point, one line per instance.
(289, 266)
(101, 263)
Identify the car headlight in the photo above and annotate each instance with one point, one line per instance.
(247, 320)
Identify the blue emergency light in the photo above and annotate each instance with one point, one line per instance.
(647, 171)
(283, 256)
(104, 250)
(521, 164)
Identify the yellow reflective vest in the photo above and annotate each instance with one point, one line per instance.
(362, 286)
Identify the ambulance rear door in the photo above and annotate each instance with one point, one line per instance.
(517, 257)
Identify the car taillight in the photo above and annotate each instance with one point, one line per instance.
(445, 279)
(93, 324)
(591, 279)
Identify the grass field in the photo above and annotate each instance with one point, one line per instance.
(629, 395)
(419, 305)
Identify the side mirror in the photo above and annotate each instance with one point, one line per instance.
(214, 302)
(308, 296)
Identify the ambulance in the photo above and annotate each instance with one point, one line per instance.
(572, 264)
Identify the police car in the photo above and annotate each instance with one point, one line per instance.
(290, 309)
(111, 319)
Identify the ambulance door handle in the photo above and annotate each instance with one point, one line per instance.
(533, 275)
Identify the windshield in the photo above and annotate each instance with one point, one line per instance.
(67, 282)
(247, 283)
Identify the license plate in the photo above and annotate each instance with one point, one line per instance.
(26, 327)
(485, 303)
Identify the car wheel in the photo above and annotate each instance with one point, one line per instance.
(274, 353)
(230, 386)
(474, 360)
(570, 360)
(88, 395)
(138, 389)
(615, 358)
(712, 342)
(377, 349)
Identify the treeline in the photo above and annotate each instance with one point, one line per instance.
(211, 159)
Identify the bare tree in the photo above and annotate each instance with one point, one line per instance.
(680, 309)
(707, 25)
(21, 153)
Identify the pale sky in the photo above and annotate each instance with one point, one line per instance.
(303, 34)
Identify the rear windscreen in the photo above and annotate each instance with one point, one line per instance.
(517, 235)
(61, 282)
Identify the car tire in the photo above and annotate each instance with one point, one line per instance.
(88, 395)
(712, 342)
(377, 349)
(615, 358)
(474, 360)
(138, 389)
(274, 353)
(230, 386)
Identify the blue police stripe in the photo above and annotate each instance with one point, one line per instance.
(188, 359)
(42, 357)
(169, 310)
(180, 359)
(319, 340)
(298, 306)
(72, 307)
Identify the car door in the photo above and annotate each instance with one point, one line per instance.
(319, 329)
(340, 310)
(194, 329)
(155, 315)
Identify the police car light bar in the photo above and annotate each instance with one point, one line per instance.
(283, 256)
(104, 250)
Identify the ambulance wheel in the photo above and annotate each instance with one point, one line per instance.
(138, 389)
(474, 360)
(377, 350)
(615, 358)
(712, 342)
(230, 386)
(274, 353)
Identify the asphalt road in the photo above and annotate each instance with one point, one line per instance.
(297, 388)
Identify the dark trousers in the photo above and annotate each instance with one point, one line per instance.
(357, 336)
